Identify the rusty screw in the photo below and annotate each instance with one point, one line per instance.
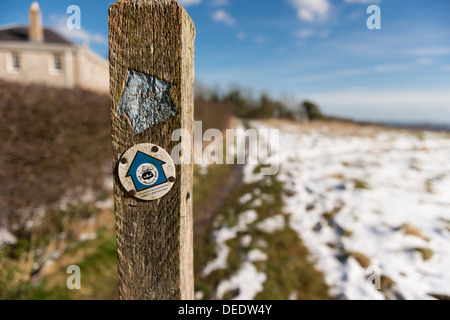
(155, 149)
(123, 161)
(132, 193)
(172, 179)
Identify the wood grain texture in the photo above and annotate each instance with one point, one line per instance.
(154, 239)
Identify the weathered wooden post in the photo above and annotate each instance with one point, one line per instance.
(151, 52)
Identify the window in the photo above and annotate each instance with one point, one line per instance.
(57, 62)
(13, 62)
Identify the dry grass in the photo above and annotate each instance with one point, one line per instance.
(440, 296)
(53, 140)
(362, 259)
(336, 127)
(426, 253)
(412, 231)
(213, 115)
(361, 184)
(288, 267)
(386, 283)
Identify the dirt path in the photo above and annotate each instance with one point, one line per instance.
(205, 211)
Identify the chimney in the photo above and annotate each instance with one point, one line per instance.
(35, 31)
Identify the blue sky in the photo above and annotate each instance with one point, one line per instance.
(320, 50)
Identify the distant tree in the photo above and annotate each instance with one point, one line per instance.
(242, 107)
(267, 107)
(312, 110)
(243, 104)
(234, 99)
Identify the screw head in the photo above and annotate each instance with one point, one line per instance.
(172, 179)
(132, 193)
(155, 149)
(123, 161)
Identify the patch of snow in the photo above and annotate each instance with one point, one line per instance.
(397, 167)
(245, 198)
(87, 236)
(257, 255)
(104, 205)
(7, 238)
(199, 295)
(257, 192)
(272, 224)
(246, 240)
(262, 244)
(293, 295)
(220, 236)
(248, 281)
(257, 203)
(246, 218)
(203, 169)
(267, 197)
(108, 183)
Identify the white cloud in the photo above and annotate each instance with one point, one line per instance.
(218, 3)
(223, 16)
(363, 1)
(423, 99)
(323, 34)
(305, 33)
(241, 36)
(352, 72)
(356, 14)
(312, 10)
(424, 62)
(429, 51)
(260, 40)
(187, 3)
(59, 23)
(309, 33)
(388, 68)
(412, 105)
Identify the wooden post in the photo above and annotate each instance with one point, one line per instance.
(154, 238)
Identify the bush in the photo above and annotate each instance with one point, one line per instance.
(312, 110)
(53, 140)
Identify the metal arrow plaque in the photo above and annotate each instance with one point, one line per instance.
(146, 101)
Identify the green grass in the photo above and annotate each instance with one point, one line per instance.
(97, 260)
(361, 184)
(206, 184)
(426, 253)
(287, 268)
(429, 185)
(339, 176)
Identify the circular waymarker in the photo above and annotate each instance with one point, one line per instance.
(147, 172)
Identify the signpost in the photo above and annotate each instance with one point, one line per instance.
(151, 52)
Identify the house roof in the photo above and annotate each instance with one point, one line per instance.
(20, 34)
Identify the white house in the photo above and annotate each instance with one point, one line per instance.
(41, 55)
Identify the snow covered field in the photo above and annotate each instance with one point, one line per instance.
(371, 205)
(371, 198)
